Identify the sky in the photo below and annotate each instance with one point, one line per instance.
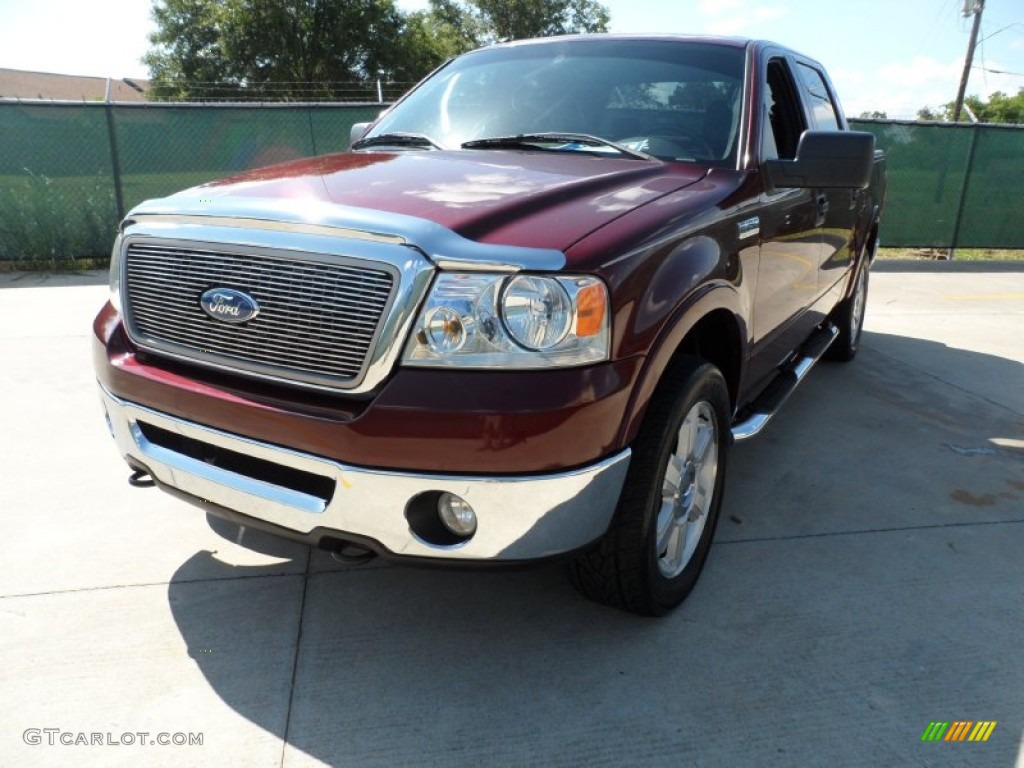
(893, 56)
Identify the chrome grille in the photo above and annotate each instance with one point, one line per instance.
(318, 317)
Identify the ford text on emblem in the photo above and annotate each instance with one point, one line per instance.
(229, 305)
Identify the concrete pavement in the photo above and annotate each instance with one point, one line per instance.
(866, 579)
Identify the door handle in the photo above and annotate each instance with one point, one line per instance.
(822, 202)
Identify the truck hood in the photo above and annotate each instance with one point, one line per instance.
(531, 199)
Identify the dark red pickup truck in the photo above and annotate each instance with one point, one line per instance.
(524, 317)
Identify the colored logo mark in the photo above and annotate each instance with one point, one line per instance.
(229, 305)
(959, 730)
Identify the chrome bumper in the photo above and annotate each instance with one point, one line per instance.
(518, 517)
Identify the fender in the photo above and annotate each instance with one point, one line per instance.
(711, 297)
(866, 244)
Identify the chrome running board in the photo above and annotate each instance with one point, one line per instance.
(768, 403)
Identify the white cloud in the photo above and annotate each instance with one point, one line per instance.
(717, 7)
(901, 88)
(848, 76)
(734, 17)
(986, 83)
(770, 12)
(920, 72)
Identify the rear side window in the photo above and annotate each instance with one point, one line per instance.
(818, 98)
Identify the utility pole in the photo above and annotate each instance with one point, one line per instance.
(974, 7)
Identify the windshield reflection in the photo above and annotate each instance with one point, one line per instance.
(674, 99)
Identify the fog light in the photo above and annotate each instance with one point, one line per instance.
(457, 515)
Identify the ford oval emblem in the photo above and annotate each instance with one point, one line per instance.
(229, 305)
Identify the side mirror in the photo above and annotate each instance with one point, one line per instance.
(826, 159)
(356, 132)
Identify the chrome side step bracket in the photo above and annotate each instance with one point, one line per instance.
(770, 401)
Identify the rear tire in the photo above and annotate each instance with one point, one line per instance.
(848, 317)
(659, 539)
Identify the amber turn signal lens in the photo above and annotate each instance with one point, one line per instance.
(591, 304)
(445, 332)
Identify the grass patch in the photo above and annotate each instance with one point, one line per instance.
(56, 222)
(137, 187)
(943, 254)
(67, 223)
(71, 266)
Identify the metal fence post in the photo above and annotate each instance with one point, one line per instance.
(312, 131)
(968, 172)
(115, 160)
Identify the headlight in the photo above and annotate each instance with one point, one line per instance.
(481, 320)
(115, 274)
(536, 311)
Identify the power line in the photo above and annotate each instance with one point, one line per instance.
(999, 71)
(1002, 29)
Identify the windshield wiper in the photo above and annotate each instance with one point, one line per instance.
(397, 139)
(538, 140)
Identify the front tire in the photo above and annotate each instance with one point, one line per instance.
(659, 539)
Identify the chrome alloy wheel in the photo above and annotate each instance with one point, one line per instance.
(859, 301)
(660, 537)
(688, 490)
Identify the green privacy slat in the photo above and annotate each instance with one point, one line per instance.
(58, 201)
(934, 177)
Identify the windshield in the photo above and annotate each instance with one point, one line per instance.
(676, 100)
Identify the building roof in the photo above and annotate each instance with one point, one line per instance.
(19, 84)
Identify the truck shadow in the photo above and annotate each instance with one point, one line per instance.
(900, 437)
(53, 279)
(384, 665)
(401, 666)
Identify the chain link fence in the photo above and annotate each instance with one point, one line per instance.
(951, 185)
(68, 172)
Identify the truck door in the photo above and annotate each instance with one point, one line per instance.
(787, 281)
(837, 208)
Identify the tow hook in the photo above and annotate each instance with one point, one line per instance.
(139, 478)
(352, 554)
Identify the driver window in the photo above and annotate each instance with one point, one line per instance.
(786, 123)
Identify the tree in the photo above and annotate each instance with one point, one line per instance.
(440, 33)
(451, 27)
(999, 108)
(873, 115)
(521, 19)
(322, 49)
(308, 48)
(187, 52)
(276, 49)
